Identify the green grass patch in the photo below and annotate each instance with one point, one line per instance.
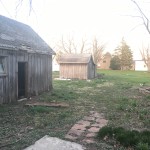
(40, 109)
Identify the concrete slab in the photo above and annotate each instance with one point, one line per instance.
(52, 143)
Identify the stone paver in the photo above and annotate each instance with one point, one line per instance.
(94, 129)
(89, 135)
(86, 129)
(102, 121)
(74, 132)
(84, 123)
(71, 137)
(95, 125)
(89, 141)
(79, 127)
(52, 143)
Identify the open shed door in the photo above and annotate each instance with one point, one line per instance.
(22, 80)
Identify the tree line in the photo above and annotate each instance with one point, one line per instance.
(122, 58)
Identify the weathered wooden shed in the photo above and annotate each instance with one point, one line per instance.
(77, 66)
(25, 62)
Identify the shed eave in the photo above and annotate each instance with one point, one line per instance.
(72, 63)
(13, 48)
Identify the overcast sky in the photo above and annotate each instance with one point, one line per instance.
(108, 20)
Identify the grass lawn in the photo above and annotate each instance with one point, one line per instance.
(116, 95)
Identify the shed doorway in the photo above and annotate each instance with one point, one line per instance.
(22, 80)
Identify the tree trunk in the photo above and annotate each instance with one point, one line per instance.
(148, 65)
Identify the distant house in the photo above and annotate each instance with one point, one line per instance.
(25, 62)
(77, 66)
(105, 63)
(139, 65)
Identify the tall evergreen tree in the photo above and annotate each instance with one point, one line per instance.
(125, 54)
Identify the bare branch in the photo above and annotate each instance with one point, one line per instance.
(5, 9)
(19, 4)
(63, 47)
(143, 16)
(70, 46)
(132, 16)
(74, 47)
(136, 27)
(82, 46)
(142, 13)
(30, 7)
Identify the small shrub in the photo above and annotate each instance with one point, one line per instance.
(126, 138)
(105, 131)
(118, 130)
(115, 63)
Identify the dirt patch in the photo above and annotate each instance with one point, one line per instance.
(47, 104)
(144, 90)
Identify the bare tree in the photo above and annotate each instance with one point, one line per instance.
(70, 46)
(67, 46)
(97, 51)
(145, 53)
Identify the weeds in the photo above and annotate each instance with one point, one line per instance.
(126, 104)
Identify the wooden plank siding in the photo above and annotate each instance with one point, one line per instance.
(73, 71)
(38, 74)
(77, 66)
(91, 69)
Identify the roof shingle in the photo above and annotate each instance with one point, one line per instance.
(18, 36)
(75, 58)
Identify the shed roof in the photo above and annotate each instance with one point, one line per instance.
(75, 58)
(15, 35)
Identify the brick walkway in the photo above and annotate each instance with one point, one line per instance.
(85, 130)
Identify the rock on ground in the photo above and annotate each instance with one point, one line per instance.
(52, 143)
